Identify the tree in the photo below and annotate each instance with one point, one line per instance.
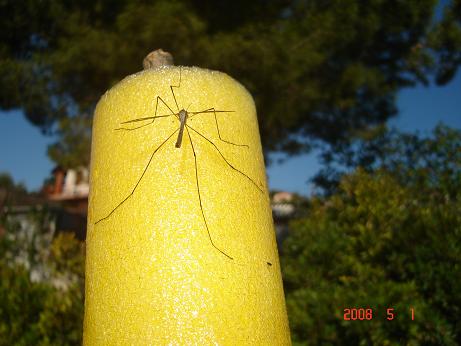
(73, 149)
(10, 192)
(446, 41)
(388, 238)
(7, 183)
(318, 71)
(410, 158)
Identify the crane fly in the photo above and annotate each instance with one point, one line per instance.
(183, 116)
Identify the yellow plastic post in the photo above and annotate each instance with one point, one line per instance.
(180, 248)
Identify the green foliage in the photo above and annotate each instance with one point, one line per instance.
(41, 286)
(386, 239)
(7, 184)
(446, 41)
(411, 158)
(317, 71)
(73, 149)
(20, 304)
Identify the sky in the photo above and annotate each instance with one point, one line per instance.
(23, 147)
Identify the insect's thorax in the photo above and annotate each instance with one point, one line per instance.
(182, 116)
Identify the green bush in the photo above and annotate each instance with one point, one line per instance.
(378, 244)
(45, 308)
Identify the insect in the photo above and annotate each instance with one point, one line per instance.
(183, 116)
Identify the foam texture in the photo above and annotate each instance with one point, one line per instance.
(152, 274)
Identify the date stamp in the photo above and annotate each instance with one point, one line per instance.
(367, 314)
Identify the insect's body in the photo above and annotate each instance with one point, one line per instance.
(182, 118)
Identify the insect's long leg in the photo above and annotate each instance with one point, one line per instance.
(139, 180)
(214, 111)
(192, 114)
(148, 118)
(156, 106)
(228, 163)
(209, 110)
(176, 86)
(200, 198)
(141, 119)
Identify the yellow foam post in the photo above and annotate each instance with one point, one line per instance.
(154, 274)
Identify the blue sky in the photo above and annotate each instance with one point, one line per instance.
(23, 150)
(23, 147)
